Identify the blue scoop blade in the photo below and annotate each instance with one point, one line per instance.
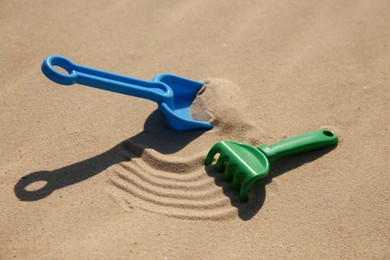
(185, 90)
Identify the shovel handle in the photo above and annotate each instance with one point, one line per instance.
(300, 143)
(155, 91)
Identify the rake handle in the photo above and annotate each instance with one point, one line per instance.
(299, 144)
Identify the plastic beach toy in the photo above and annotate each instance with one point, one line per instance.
(172, 93)
(248, 164)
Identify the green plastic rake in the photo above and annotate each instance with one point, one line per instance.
(245, 164)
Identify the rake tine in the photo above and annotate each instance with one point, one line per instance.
(211, 154)
(245, 187)
(221, 162)
(229, 171)
(237, 180)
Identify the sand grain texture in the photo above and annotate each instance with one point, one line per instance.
(86, 173)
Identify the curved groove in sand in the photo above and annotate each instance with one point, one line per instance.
(169, 192)
(214, 215)
(172, 202)
(158, 162)
(165, 176)
(132, 174)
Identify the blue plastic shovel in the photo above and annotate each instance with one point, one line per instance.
(172, 93)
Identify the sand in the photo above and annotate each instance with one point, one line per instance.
(86, 173)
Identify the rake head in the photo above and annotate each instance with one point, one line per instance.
(244, 164)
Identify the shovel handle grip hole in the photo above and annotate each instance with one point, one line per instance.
(61, 65)
(60, 70)
(328, 133)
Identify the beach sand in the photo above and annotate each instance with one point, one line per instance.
(86, 173)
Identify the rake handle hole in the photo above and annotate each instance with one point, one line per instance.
(328, 133)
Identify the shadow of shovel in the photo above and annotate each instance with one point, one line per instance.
(154, 135)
